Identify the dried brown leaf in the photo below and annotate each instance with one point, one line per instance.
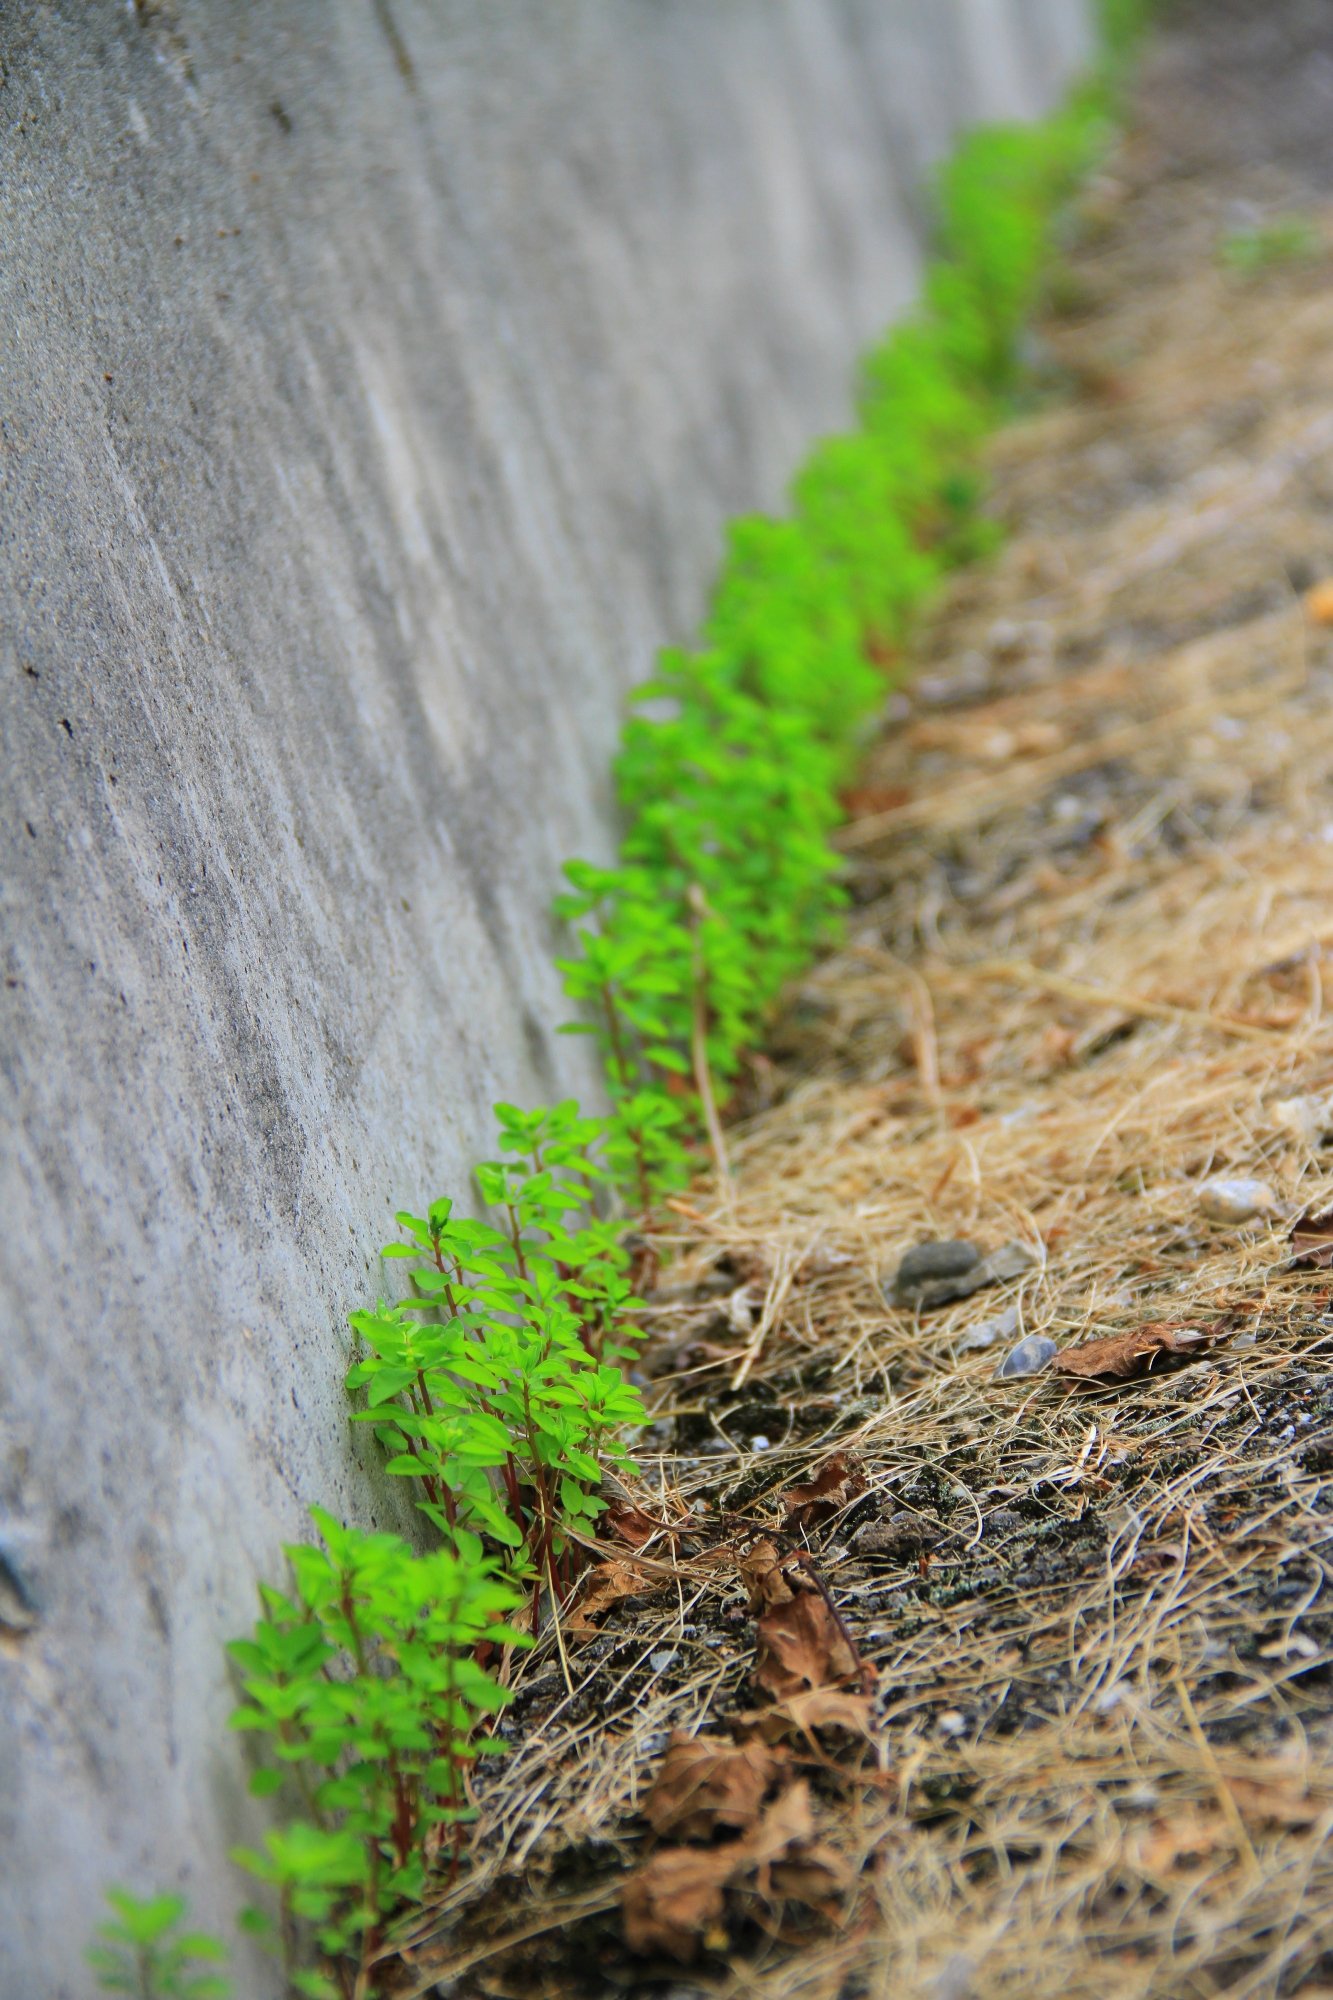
(826, 1708)
(1312, 1240)
(787, 1860)
(1126, 1355)
(705, 1783)
(669, 1903)
(763, 1575)
(838, 1482)
(802, 1646)
(817, 1875)
(788, 1819)
(676, 1899)
(605, 1586)
(631, 1524)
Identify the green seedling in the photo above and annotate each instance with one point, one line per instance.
(496, 1387)
(364, 1685)
(1288, 239)
(142, 1950)
(735, 754)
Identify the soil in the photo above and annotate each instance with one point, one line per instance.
(1084, 974)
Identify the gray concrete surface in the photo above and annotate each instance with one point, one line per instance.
(375, 379)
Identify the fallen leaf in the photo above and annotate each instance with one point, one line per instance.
(1312, 1240)
(1319, 603)
(631, 1524)
(816, 1875)
(606, 1585)
(864, 801)
(705, 1783)
(676, 1898)
(1125, 1355)
(825, 1708)
(670, 1902)
(789, 1818)
(763, 1575)
(838, 1482)
(787, 1860)
(802, 1646)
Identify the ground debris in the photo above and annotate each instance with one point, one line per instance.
(705, 1783)
(1123, 1356)
(801, 1716)
(675, 1901)
(838, 1482)
(1312, 1240)
(607, 1585)
(803, 1644)
(764, 1574)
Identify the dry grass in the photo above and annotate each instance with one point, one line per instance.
(1086, 971)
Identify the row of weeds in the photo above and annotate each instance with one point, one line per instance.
(495, 1385)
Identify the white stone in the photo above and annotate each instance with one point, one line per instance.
(1236, 1200)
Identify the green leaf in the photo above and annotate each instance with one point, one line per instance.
(146, 1919)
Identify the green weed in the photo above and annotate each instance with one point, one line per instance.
(143, 1951)
(1287, 239)
(366, 1686)
(734, 756)
(496, 1387)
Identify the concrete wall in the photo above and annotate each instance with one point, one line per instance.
(376, 378)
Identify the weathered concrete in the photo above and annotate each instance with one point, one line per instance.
(377, 375)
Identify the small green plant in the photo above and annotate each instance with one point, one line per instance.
(365, 1684)
(732, 762)
(497, 1386)
(143, 1951)
(1287, 239)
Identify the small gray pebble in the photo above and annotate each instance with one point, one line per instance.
(934, 1273)
(1028, 1358)
(935, 1260)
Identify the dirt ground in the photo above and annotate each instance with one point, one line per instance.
(1030, 1696)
